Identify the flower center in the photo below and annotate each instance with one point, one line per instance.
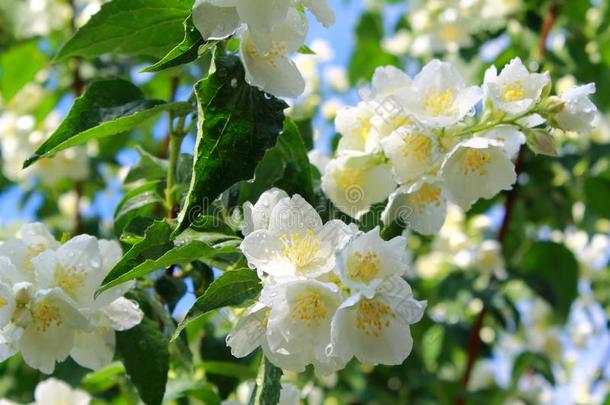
(365, 128)
(349, 178)
(417, 145)
(277, 51)
(300, 248)
(438, 102)
(309, 308)
(513, 91)
(45, 315)
(475, 161)
(373, 316)
(427, 194)
(363, 267)
(69, 279)
(3, 302)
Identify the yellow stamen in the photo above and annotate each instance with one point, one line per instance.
(365, 128)
(475, 161)
(45, 315)
(513, 91)
(427, 194)
(309, 308)
(363, 267)
(417, 145)
(3, 302)
(438, 102)
(300, 248)
(373, 316)
(69, 279)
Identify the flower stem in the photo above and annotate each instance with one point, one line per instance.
(176, 137)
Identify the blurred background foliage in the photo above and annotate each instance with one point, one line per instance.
(537, 294)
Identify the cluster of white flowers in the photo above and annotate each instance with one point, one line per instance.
(329, 292)
(424, 135)
(47, 306)
(270, 32)
(55, 392)
(440, 26)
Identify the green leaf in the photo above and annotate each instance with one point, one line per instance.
(268, 384)
(237, 124)
(597, 192)
(232, 288)
(149, 167)
(532, 361)
(137, 202)
(551, 270)
(104, 379)
(144, 352)
(130, 27)
(185, 52)
(285, 166)
(229, 369)
(157, 251)
(108, 107)
(18, 66)
(368, 52)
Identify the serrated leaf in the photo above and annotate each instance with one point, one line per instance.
(268, 384)
(286, 166)
(145, 354)
(191, 48)
(230, 289)
(130, 27)
(108, 107)
(237, 124)
(157, 251)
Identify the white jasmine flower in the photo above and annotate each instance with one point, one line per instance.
(273, 71)
(16, 254)
(249, 332)
(296, 244)
(421, 206)
(355, 182)
(477, 168)
(389, 80)
(257, 216)
(367, 261)
(354, 124)
(412, 153)
(377, 330)
(515, 90)
(49, 320)
(439, 97)
(299, 324)
(121, 314)
(578, 112)
(215, 22)
(273, 30)
(56, 392)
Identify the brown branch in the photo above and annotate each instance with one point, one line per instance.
(474, 340)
